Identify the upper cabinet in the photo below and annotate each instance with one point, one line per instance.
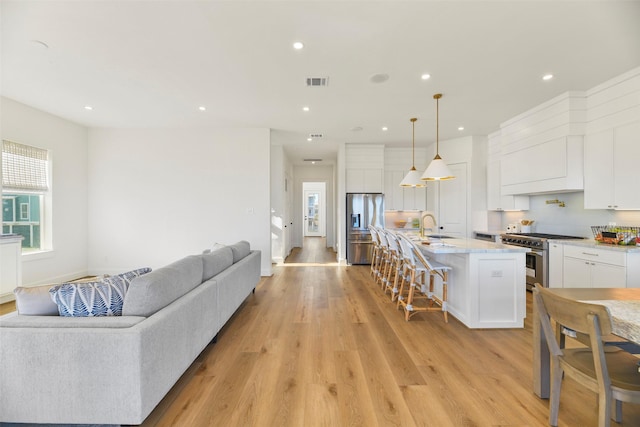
(612, 144)
(397, 162)
(364, 168)
(495, 200)
(542, 149)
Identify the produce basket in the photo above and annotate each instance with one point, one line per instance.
(616, 235)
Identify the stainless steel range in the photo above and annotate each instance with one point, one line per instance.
(538, 258)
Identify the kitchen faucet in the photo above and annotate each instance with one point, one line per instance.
(422, 227)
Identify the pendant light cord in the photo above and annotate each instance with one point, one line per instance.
(413, 143)
(437, 125)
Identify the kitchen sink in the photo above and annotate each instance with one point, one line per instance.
(439, 236)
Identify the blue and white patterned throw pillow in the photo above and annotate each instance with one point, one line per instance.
(101, 298)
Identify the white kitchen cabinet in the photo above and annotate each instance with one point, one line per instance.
(542, 149)
(393, 195)
(586, 267)
(496, 201)
(11, 266)
(402, 198)
(364, 181)
(364, 168)
(610, 168)
(556, 260)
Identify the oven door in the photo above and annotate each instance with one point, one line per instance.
(536, 266)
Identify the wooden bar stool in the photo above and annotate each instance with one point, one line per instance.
(384, 257)
(412, 276)
(395, 264)
(434, 269)
(375, 255)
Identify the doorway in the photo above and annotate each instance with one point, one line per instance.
(314, 209)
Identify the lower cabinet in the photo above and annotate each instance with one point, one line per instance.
(587, 267)
(556, 264)
(10, 266)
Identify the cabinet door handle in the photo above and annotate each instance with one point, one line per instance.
(593, 263)
(588, 253)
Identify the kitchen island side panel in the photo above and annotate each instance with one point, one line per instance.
(486, 290)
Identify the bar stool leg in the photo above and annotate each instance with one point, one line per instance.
(445, 275)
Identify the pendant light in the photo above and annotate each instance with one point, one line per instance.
(412, 179)
(438, 169)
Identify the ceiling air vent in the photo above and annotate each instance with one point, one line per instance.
(317, 81)
(312, 160)
(315, 135)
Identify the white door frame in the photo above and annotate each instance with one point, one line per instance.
(321, 189)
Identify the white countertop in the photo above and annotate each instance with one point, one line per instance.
(465, 246)
(590, 243)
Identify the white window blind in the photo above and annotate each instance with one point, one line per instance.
(24, 168)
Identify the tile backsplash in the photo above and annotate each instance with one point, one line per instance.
(572, 219)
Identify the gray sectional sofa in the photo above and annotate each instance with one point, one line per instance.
(115, 370)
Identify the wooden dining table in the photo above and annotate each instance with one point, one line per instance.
(624, 308)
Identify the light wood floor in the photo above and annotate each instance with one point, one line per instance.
(319, 345)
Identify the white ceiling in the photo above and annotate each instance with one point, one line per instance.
(153, 63)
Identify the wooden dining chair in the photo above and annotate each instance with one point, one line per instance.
(608, 371)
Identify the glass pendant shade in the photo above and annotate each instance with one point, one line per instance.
(437, 169)
(412, 179)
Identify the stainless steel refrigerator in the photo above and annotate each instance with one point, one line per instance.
(363, 209)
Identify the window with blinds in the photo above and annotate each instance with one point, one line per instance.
(24, 168)
(25, 187)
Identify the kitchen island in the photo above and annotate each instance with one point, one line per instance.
(486, 286)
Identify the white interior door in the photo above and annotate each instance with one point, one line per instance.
(452, 209)
(314, 209)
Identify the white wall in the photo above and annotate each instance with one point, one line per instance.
(68, 144)
(160, 194)
(279, 190)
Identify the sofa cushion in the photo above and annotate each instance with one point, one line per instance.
(151, 292)
(106, 322)
(240, 250)
(104, 297)
(35, 301)
(215, 247)
(215, 262)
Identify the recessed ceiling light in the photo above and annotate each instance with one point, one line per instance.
(461, 128)
(305, 108)
(202, 108)
(88, 107)
(298, 45)
(309, 139)
(425, 76)
(547, 77)
(384, 128)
